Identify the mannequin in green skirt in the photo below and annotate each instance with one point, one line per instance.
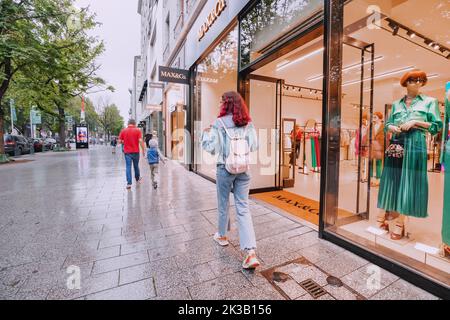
(404, 183)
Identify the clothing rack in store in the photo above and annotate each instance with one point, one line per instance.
(305, 132)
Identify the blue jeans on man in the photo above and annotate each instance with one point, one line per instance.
(132, 158)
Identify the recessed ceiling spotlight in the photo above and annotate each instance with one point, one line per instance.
(436, 47)
(428, 42)
(442, 49)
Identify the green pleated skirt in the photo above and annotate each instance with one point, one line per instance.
(404, 183)
(446, 214)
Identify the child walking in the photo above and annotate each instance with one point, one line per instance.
(153, 157)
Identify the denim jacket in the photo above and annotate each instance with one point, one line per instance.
(217, 142)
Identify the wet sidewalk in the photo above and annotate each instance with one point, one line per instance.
(70, 230)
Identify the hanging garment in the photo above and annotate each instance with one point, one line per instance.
(404, 182)
(317, 147)
(308, 154)
(313, 153)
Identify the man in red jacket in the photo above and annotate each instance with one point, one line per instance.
(131, 138)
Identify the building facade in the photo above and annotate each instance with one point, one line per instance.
(325, 83)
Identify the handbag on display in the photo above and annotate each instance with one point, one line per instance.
(396, 149)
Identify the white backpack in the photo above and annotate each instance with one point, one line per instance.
(238, 158)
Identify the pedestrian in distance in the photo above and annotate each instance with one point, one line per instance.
(232, 137)
(131, 139)
(154, 155)
(113, 144)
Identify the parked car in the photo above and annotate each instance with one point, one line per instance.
(49, 143)
(38, 144)
(15, 145)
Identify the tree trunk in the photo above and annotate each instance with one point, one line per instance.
(2, 146)
(3, 87)
(62, 127)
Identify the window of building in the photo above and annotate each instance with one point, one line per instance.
(268, 20)
(216, 74)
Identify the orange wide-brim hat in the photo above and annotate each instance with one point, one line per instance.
(414, 74)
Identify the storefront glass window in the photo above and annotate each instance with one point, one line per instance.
(216, 74)
(394, 132)
(268, 20)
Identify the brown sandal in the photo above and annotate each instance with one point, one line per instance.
(445, 251)
(382, 224)
(398, 232)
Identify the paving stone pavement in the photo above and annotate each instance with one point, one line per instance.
(65, 214)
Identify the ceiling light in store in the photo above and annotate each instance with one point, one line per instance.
(428, 42)
(448, 57)
(436, 47)
(411, 34)
(300, 59)
(382, 75)
(395, 27)
(442, 49)
(282, 63)
(347, 68)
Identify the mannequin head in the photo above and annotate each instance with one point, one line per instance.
(413, 81)
(365, 119)
(377, 117)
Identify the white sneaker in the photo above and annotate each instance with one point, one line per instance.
(223, 241)
(250, 261)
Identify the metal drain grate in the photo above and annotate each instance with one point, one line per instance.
(313, 288)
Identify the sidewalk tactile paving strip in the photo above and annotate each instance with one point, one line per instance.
(291, 272)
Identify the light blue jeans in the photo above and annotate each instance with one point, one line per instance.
(240, 183)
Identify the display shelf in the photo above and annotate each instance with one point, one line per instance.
(405, 246)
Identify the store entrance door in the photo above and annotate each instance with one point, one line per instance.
(263, 97)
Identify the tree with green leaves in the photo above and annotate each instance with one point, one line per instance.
(20, 44)
(46, 51)
(109, 118)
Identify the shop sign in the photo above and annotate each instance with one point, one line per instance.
(207, 79)
(212, 17)
(173, 75)
(156, 85)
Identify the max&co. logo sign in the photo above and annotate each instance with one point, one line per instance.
(167, 74)
(212, 17)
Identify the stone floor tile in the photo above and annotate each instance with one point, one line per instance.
(402, 290)
(120, 262)
(143, 289)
